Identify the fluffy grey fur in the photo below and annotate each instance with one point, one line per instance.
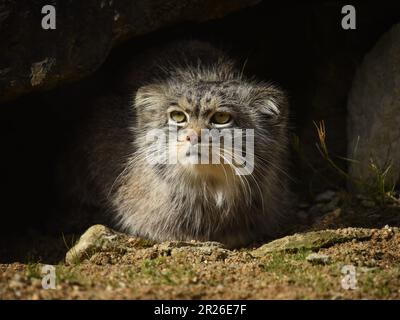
(173, 202)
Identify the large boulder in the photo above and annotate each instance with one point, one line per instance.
(374, 112)
(32, 58)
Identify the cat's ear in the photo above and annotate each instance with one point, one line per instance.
(149, 97)
(271, 101)
(149, 103)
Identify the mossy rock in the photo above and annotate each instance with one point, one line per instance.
(99, 238)
(313, 240)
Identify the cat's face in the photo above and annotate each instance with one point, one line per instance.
(192, 115)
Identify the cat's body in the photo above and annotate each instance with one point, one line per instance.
(109, 168)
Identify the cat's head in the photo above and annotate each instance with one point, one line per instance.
(189, 109)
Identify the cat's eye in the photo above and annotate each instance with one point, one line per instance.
(221, 118)
(178, 116)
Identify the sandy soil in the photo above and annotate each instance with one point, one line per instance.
(131, 268)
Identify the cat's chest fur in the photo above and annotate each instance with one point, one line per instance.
(195, 209)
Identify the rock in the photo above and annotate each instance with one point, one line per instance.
(101, 245)
(325, 196)
(373, 111)
(318, 258)
(96, 238)
(38, 59)
(368, 203)
(168, 245)
(215, 250)
(313, 240)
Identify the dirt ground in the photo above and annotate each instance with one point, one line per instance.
(345, 263)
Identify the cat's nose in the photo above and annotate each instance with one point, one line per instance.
(193, 138)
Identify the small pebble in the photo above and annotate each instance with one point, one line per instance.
(195, 280)
(318, 258)
(325, 196)
(220, 287)
(109, 288)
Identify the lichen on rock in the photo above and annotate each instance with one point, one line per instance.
(313, 240)
(96, 238)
